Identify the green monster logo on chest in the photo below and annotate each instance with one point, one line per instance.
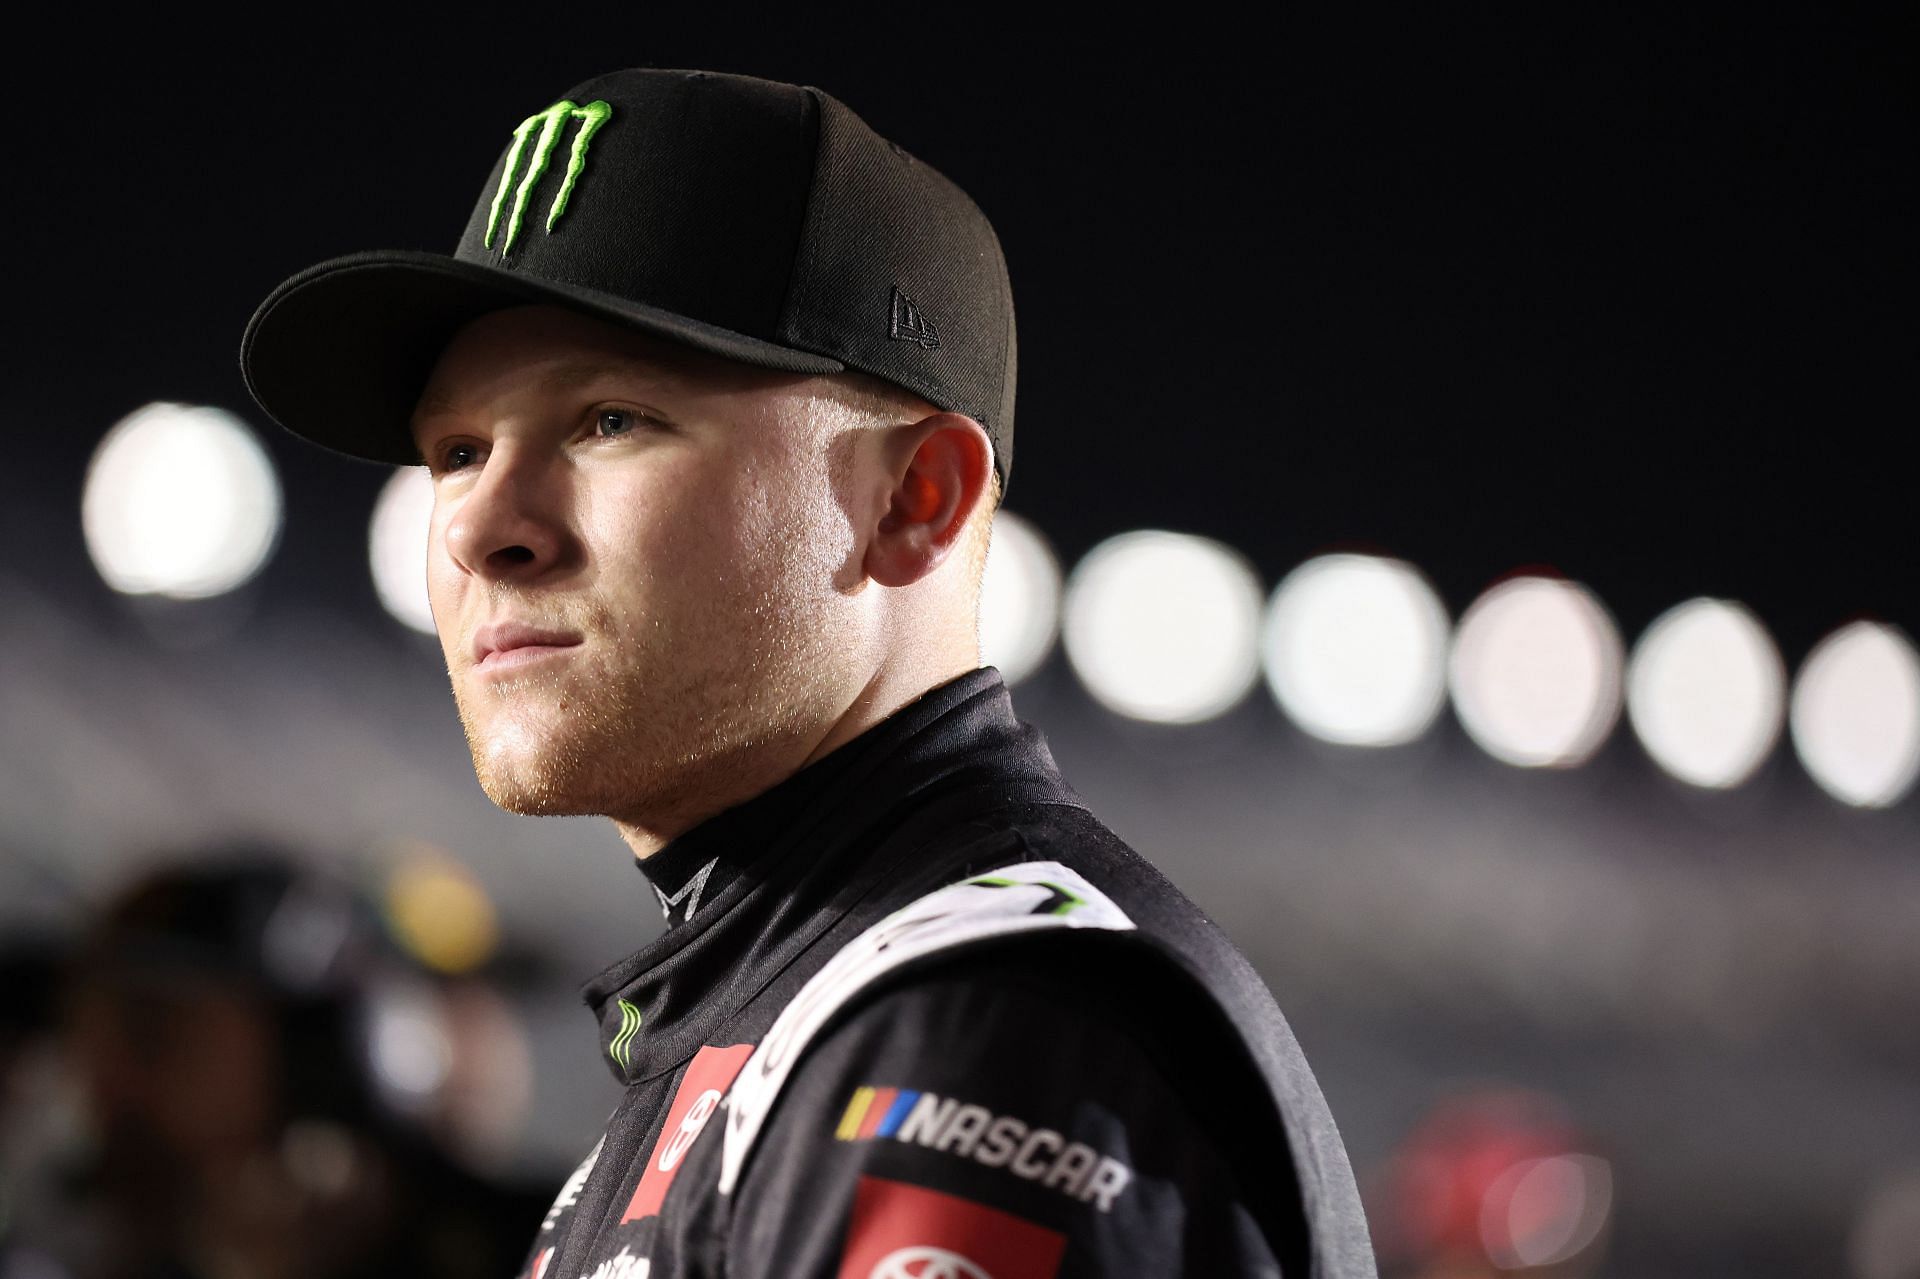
(621, 1049)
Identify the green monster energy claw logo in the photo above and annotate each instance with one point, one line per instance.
(551, 123)
(621, 1049)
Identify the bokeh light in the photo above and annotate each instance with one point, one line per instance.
(1019, 598)
(1494, 1181)
(180, 501)
(397, 546)
(1856, 714)
(439, 911)
(1705, 692)
(1536, 671)
(1164, 626)
(408, 1046)
(1545, 1212)
(1354, 650)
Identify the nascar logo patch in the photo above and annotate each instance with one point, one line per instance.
(998, 1141)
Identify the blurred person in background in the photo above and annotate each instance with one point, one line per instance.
(234, 1027)
(716, 395)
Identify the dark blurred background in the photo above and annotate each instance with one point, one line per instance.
(1622, 297)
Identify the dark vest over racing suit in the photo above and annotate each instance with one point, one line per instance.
(919, 1015)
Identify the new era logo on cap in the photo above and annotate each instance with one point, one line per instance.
(908, 325)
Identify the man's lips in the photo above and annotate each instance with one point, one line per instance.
(499, 645)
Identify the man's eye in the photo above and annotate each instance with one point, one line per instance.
(615, 422)
(456, 456)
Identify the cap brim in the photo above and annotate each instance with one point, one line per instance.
(338, 354)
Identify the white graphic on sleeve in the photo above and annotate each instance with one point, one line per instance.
(924, 1262)
(1029, 897)
(697, 1115)
(570, 1193)
(622, 1265)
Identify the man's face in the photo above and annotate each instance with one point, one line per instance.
(644, 579)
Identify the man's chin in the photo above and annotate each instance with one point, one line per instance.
(528, 802)
(524, 769)
(536, 792)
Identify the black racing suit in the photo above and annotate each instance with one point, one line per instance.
(1059, 1103)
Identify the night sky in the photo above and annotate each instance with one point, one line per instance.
(1624, 293)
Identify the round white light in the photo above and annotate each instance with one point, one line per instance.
(1856, 714)
(1535, 672)
(1705, 690)
(180, 501)
(1019, 598)
(1354, 650)
(397, 546)
(1164, 626)
(410, 1045)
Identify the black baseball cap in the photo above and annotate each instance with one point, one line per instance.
(753, 220)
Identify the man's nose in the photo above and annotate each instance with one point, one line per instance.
(510, 522)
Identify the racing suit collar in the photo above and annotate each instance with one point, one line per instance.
(787, 864)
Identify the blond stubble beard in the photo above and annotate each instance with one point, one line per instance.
(650, 741)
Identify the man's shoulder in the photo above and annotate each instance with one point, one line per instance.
(982, 1100)
(1095, 1037)
(1173, 985)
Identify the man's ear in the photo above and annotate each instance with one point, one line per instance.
(939, 470)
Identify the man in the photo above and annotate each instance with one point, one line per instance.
(716, 394)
